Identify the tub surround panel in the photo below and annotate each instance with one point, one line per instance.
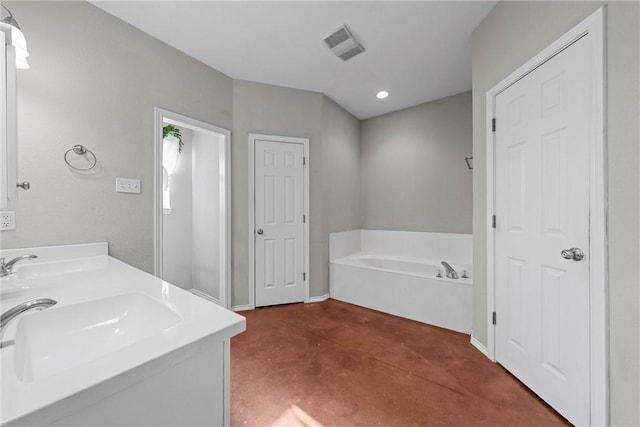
(434, 247)
(450, 247)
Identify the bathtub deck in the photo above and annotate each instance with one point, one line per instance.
(345, 365)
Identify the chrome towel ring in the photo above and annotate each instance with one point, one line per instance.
(80, 150)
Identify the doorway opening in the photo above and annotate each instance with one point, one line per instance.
(192, 205)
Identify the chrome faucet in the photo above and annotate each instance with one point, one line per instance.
(35, 304)
(7, 268)
(451, 273)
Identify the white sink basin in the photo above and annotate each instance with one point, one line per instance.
(33, 269)
(54, 340)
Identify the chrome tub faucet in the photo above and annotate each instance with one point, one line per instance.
(7, 268)
(451, 273)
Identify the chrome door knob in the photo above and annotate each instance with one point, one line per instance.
(575, 254)
(259, 231)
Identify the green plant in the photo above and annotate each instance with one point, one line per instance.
(171, 130)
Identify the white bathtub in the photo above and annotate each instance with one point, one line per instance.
(401, 285)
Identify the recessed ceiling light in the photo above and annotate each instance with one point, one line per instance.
(382, 94)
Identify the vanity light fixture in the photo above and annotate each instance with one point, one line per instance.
(382, 94)
(18, 40)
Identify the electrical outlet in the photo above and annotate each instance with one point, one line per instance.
(7, 220)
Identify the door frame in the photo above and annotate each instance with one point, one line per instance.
(253, 137)
(594, 27)
(161, 116)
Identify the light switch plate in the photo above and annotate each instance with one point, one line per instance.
(126, 185)
(7, 220)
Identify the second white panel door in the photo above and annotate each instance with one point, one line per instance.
(279, 228)
(542, 231)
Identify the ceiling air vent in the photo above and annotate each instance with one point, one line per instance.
(343, 44)
(351, 52)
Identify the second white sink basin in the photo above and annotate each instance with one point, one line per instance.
(54, 340)
(28, 270)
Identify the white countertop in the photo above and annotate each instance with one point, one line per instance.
(82, 273)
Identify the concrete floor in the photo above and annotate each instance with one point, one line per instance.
(337, 364)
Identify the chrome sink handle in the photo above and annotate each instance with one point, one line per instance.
(7, 268)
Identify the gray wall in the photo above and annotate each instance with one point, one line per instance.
(273, 110)
(96, 83)
(333, 161)
(341, 167)
(511, 34)
(95, 80)
(414, 177)
(205, 213)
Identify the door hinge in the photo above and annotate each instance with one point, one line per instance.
(304, 218)
(304, 160)
(493, 221)
(304, 276)
(493, 125)
(493, 317)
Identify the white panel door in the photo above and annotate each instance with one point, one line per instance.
(279, 229)
(542, 208)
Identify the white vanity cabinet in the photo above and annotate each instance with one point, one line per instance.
(8, 119)
(119, 348)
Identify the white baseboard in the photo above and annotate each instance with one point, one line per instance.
(319, 298)
(243, 307)
(481, 347)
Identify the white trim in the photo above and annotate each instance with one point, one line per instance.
(319, 298)
(479, 346)
(594, 27)
(205, 296)
(165, 116)
(244, 307)
(9, 125)
(11, 112)
(306, 247)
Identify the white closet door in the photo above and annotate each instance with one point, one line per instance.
(542, 208)
(279, 233)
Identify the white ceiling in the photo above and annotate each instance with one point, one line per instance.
(417, 50)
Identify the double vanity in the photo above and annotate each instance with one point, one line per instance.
(116, 346)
